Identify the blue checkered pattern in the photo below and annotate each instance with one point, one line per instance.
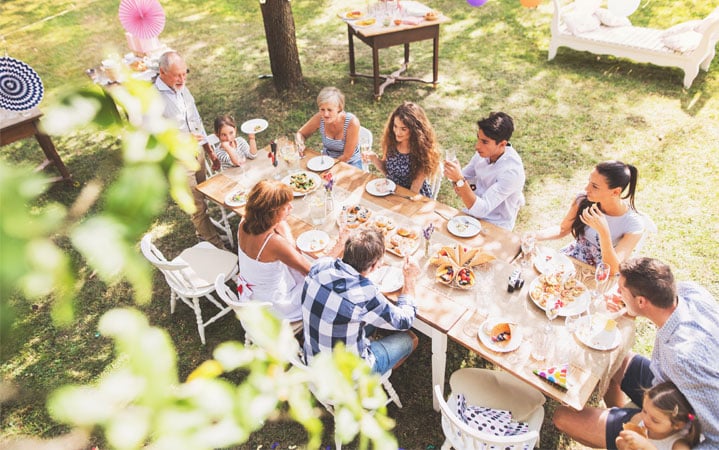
(337, 304)
(686, 353)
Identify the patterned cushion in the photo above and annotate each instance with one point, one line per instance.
(497, 422)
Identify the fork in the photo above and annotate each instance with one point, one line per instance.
(403, 196)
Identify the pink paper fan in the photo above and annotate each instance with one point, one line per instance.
(142, 18)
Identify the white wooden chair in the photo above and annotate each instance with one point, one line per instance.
(191, 276)
(492, 389)
(649, 228)
(222, 222)
(232, 300)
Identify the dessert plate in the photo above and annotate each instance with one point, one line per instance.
(485, 337)
(253, 126)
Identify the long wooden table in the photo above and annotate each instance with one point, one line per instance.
(444, 311)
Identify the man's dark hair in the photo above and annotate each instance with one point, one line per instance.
(498, 126)
(650, 278)
(364, 249)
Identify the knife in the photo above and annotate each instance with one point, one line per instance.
(442, 215)
(403, 196)
(519, 252)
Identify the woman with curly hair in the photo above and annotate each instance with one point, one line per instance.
(410, 155)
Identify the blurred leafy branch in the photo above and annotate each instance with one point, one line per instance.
(139, 402)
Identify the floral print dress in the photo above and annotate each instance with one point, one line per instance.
(397, 168)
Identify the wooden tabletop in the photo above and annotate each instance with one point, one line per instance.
(452, 310)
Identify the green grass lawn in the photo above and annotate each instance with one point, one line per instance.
(570, 113)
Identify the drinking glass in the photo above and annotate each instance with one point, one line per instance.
(471, 326)
(601, 275)
(316, 203)
(529, 239)
(287, 152)
(570, 322)
(551, 309)
(241, 161)
(450, 154)
(364, 150)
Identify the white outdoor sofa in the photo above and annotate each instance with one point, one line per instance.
(637, 43)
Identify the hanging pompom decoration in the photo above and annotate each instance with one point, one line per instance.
(476, 3)
(144, 19)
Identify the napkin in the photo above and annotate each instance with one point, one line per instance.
(411, 20)
(415, 9)
(556, 374)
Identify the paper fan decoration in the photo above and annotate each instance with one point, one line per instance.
(142, 18)
(20, 86)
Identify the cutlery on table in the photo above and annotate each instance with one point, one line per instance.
(408, 197)
(519, 253)
(442, 215)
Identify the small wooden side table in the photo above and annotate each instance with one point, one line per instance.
(23, 126)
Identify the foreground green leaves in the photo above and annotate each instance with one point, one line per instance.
(141, 403)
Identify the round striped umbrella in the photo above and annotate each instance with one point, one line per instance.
(142, 18)
(20, 86)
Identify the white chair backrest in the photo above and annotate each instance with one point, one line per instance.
(214, 142)
(436, 182)
(649, 228)
(366, 134)
(464, 437)
(177, 274)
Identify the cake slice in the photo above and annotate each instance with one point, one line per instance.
(556, 374)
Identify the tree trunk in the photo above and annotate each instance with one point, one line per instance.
(282, 44)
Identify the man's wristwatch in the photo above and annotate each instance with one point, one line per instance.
(459, 183)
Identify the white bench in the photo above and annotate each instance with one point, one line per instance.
(637, 43)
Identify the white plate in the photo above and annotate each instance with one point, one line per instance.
(590, 331)
(388, 278)
(464, 226)
(578, 306)
(320, 163)
(313, 241)
(253, 126)
(344, 15)
(375, 188)
(484, 337)
(313, 176)
(360, 22)
(229, 201)
(548, 260)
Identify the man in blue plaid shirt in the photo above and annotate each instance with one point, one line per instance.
(340, 304)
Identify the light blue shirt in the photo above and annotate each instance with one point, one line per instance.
(498, 187)
(686, 352)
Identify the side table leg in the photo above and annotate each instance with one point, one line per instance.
(406, 54)
(51, 153)
(435, 59)
(351, 46)
(375, 72)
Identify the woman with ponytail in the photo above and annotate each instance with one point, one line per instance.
(603, 219)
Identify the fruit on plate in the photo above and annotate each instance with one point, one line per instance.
(352, 15)
(365, 22)
(465, 278)
(629, 426)
(446, 273)
(501, 334)
(432, 15)
(407, 233)
(555, 374)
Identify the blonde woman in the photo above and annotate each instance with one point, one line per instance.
(339, 129)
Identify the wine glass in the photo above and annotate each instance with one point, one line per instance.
(528, 241)
(287, 153)
(471, 325)
(551, 309)
(450, 154)
(601, 275)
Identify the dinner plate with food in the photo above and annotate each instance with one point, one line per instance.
(351, 15)
(598, 332)
(321, 163)
(464, 226)
(500, 335)
(313, 241)
(253, 126)
(364, 23)
(403, 241)
(572, 296)
(236, 198)
(547, 260)
(302, 182)
(388, 278)
(380, 187)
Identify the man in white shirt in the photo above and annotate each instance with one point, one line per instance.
(180, 107)
(491, 184)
